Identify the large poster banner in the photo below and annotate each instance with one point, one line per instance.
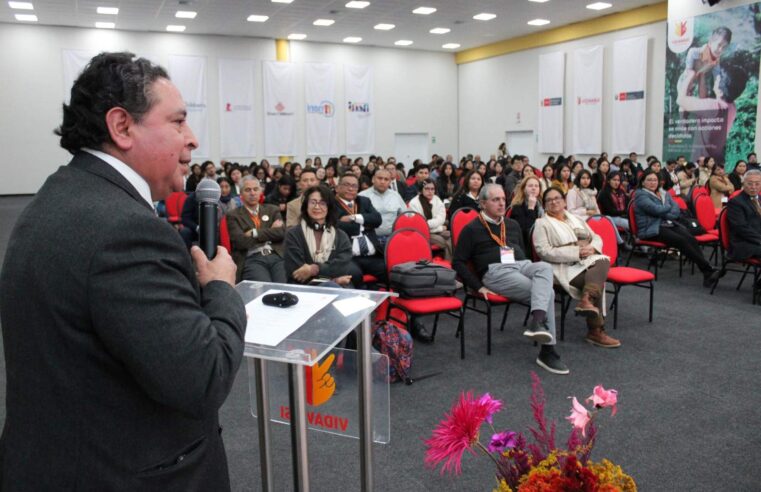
(551, 87)
(712, 85)
(587, 99)
(629, 98)
(360, 109)
(189, 75)
(279, 108)
(236, 108)
(321, 121)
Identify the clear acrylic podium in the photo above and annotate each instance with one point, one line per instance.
(304, 348)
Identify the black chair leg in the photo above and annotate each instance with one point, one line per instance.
(488, 328)
(615, 309)
(461, 330)
(504, 317)
(650, 316)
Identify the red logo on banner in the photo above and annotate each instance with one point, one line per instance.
(279, 107)
(228, 107)
(680, 28)
(622, 96)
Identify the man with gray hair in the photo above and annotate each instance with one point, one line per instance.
(256, 236)
(744, 216)
(490, 259)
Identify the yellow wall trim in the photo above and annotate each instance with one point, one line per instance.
(600, 25)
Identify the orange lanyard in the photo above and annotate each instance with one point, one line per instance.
(353, 210)
(255, 219)
(501, 240)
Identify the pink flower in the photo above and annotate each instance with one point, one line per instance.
(503, 440)
(458, 432)
(579, 416)
(602, 398)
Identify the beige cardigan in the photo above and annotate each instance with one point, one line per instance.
(554, 242)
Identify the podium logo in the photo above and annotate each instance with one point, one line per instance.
(320, 385)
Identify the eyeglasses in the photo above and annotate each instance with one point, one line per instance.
(318, 203)
(497, 199)
(553, 200)
(350, 186)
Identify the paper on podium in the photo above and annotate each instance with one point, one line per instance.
(349, 306)
(270, 325)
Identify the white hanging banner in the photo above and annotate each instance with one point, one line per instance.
(236, 108)
(551, 103)
(587, 100)
(629, 101)
(188, 73)
(360, 109)
(279, 84)
(74, 61)
(321, 120)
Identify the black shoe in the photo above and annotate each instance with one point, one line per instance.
(550, 361)
(420, 333)
(538, 332)
(711, 276)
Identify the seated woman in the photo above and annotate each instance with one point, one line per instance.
(467, 194)
(687, 179)
(316, 250)
(614, 201)
(601, 175)
(720, 186)
(227, 200)
(546, 180)
(574, 251)
(582, 198)
(430, 206)
(736, 176)
(562, 179)
(446, 183)
(527, 205)
(656, 214)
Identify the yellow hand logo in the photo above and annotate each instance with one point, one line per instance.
(320, 384)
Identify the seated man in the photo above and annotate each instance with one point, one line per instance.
(307, 179)
(744, 216)
(422, 172)
(256, 236)
(493, 246)
(386, 201)
(281, 195)
(358, 219)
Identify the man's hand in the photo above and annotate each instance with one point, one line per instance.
(346, 218)
(277, 223)
(303, 273)
(221, 267)
(486, 293)
(343, 281)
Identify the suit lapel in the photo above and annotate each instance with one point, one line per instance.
(93, 165)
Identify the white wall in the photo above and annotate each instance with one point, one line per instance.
(494, 91)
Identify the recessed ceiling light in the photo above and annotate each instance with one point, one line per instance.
(352, 39)
(105, 25)
(282, 1)
(539, 1)
(173, 28)
(297, 37)
(21, 5)
(108, 10)
(424, 10)
(484, 16)
(599, 6)
(403, 42)
(257, 18)
(384, 27)
(324, 22)
(538, 22)
(439, 30)
(450, 46)
(186, 14)
(26, 17)
(354, 4)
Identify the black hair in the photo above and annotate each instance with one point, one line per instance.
(732, 82)
(577, 181)
(306, 170)
(551, 188)
(723, 32)
(648, 172)
(326, 195)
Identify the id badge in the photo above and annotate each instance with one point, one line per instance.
(507, 256)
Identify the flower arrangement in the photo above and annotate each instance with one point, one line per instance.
(523, 466)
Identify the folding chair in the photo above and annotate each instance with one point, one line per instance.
(751, 263)
(224, 235)
(409, 219)
(706, 215)
(174, 203)
(658, 247)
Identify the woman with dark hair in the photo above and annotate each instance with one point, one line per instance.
(656, 214)
(482, 169)
(562, 179)
(614, 201)
(720, 187)
(687, 179)
(195, 176)
(331, 174)
(317, 162)
(550, 161)
(547, 173)
(496, 171)
(628, 175)
(601, 175)
(227, 200)
(446, 183)
(296, 171)
(283, 192)
(277, 173)
(467, 194)
(430, 206)
(466, 166)
(615, 163)
(581, 200)
(705, 171)
(502, 150)
(316, 250)
(592, 164)
(266, 165)
(576, 169)
(735, 177)
(528, 170)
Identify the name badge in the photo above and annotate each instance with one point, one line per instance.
(507, 255)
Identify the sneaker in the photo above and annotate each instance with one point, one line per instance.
(538, 332)
(551, 362)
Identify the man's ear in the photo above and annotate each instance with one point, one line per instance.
(119, 123)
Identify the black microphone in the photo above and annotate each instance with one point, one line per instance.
(208, 194)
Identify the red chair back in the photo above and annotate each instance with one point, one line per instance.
(224, 235)
(698, 191)
(724, 230)
(632, 220)
(604, 228)
(672, 192)
(509, 212)
(680, 201)
(406, 245)
(460, 219)
(412, 220)
(174, 203)
(705, 212)
(735, 193)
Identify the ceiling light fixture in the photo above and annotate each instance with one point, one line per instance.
(424, 10)
(282, 1)
(324, 22)
(26, 17)
(450, 46)
(355, 4)
(403, 42)
(297, 36)
(186, 14)
(538, 22)
(175, 28)
(599, 6)
(108, 10)
(257, 18)
(352, 39)
(439, 30)
(384, 27)
(105, 25)
(21, 5)
(539, 1)
(484, 17)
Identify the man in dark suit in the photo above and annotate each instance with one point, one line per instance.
(744, 216)
(358, 219)
(256, 236)
(118, 354)
(397, 184)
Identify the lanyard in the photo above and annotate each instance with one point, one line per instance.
(501, 240)
(352, 211)
(255, 218)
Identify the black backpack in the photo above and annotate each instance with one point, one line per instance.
(422, 279)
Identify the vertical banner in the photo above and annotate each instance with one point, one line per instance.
(587, 98)
(629, 101)
(710, 106)
(360, 109)
(551, 87)
(189, 75)
(236, 111)
(321, 121)
(279, 84)
(74, 61)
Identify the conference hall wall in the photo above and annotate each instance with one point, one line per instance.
(414, 91)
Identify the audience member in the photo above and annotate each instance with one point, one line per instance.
(582, 198)
(386, 201)
(736, 176)
(331, 175)
(526, 205)
(562, 179)
(446, 183)
(687, 179)
(430, 206)
(547, 174)
(422, 172)
(600, 177)
(744, 216)
(614, 201)
(196, 173)
(720, 187)
(705, 170)
(396, 183)
(307, 180)
(209, 171)
(671, 178)
(227, 201)
(467, 195)
(510, 181)
(281, 195)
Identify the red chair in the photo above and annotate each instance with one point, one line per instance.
(657, 246)
(174, 203)
(409, 219)
(680, 201)
(735, 193)
(475, 297)
(619, 276)
(407, 245)
(224, 235)
(706, 216)
(460, 219)
(751, 263)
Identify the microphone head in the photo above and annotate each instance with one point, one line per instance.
(208, 191)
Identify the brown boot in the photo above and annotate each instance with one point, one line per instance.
(586, 306)
(596, 334)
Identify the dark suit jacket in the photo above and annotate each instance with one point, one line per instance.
(117, 362)
(744, 228)
(372, 219)
(239, 225)
(297, 254)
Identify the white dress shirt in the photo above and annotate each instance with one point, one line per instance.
(137, 181)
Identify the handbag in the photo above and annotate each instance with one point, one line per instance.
(689, 222)
(422, 279)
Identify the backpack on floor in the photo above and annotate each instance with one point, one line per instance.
(394, 342)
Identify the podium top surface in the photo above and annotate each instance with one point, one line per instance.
(320, 333)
